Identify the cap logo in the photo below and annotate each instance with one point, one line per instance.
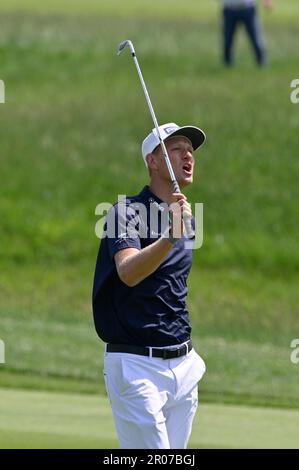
(169, 130)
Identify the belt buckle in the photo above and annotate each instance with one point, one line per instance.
(178, 352)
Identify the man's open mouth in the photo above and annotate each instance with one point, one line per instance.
(187, 168)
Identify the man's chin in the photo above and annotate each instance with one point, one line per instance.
(183, 182)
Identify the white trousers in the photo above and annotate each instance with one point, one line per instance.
(153, 400)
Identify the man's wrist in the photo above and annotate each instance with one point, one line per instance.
(168, 235)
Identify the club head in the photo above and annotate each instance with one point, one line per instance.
(123, 45)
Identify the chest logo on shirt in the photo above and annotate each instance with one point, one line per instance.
(156, 204)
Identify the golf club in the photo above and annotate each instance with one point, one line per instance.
(187, 221)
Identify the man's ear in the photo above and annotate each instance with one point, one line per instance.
(151, 161)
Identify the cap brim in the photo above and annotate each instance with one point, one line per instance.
(196, 136)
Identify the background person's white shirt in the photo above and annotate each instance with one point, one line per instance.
(237, 3)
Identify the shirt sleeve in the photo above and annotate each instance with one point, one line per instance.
(122, 228)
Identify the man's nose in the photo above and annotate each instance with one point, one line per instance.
(187, 154)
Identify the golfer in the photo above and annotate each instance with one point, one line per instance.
(151, 369)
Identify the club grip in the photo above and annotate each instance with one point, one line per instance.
(187, 221)
(189, 229)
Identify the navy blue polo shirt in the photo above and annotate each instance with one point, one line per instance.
(154, 312)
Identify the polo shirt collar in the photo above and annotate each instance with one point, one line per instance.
(148, 196)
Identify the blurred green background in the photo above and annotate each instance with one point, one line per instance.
(70, 134)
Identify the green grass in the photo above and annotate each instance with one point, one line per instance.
(247, 173)
(49, 420)
(168, 10)
(70, 133)
(56, 420)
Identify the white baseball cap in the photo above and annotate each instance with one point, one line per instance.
(194, 134)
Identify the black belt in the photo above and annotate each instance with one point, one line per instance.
(163, 353)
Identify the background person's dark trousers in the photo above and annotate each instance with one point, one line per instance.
(232, 17)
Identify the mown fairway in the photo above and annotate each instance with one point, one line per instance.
(55, 420)
(70, 133)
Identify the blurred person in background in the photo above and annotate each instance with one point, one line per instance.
(245, 12)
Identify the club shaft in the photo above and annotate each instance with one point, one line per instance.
(175, 185)
(164, 150)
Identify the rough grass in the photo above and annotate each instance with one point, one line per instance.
(205, 10)
(51, 343)
(55, 170)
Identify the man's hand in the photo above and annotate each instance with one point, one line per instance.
(268, 4)
(179, 209)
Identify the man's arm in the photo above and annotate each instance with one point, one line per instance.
(135, 265)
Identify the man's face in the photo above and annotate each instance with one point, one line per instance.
(180, 153)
